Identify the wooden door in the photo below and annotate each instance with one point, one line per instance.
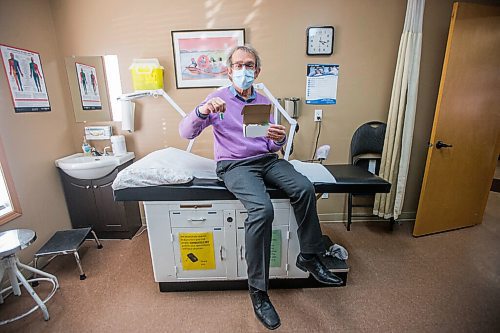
(457, 179)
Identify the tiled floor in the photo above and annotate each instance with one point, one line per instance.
(449, 282)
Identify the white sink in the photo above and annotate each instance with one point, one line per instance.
(91, 167)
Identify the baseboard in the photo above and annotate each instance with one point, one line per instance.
(495, 185)
(140, 231)
(342, 218)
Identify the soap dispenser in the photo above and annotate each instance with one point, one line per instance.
(86, 147)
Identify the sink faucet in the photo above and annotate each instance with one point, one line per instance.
(94, 152)
(105, 152)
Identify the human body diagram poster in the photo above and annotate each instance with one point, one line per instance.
(321, 84)
(23, 69)
(197, 250)
(89, 91)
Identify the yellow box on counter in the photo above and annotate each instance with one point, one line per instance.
(147, 74)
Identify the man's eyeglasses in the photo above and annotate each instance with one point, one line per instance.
(248, 65)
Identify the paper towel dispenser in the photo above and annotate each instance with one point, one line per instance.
(128, 111)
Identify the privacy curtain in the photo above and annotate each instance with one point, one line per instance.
(400, 123)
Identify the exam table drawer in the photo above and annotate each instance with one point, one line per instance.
(196, 218)
(281, 216)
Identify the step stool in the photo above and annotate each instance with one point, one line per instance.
(67, 242)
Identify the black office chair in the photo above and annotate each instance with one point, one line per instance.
(367, 144)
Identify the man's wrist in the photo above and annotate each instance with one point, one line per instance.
(281, 142)
(201, 115)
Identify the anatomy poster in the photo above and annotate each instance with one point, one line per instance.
(89, 91)
(23, 69)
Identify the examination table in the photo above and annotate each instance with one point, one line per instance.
(196, 232)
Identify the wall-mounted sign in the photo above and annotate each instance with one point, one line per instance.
(321, 84)
(89, 91)
(197, 250)
(276, 248)
(23, 69)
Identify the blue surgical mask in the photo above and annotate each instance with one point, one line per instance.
(243, 78)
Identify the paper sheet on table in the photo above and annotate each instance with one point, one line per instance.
(315, 172)
(163, 167)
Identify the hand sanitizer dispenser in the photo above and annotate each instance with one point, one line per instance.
(292, 106)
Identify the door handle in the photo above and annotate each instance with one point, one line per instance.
(220, 252)
(441, 144)
(241, 253)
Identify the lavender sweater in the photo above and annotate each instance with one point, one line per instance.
(229, 142)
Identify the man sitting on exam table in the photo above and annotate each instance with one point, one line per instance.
(246, 165)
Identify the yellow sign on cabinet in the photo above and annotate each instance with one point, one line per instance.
(197, 250)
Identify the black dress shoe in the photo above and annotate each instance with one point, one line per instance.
(264, 310)
(318, 270)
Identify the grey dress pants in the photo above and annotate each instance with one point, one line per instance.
(247, 180)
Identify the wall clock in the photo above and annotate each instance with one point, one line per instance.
(320, 40)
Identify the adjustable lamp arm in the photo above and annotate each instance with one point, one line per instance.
(260, 86)
(293, 122)
(156, 93)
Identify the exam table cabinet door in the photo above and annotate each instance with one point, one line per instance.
(220, 270)
(280, 222)
(279, 271)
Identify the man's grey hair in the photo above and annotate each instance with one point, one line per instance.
(247, 48)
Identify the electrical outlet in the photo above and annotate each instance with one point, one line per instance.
(318, 115)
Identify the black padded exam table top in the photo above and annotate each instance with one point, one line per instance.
(350, 179)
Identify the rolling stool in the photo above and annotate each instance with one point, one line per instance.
(66, 242)
(11, 242)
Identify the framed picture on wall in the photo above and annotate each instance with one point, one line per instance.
(23, 70)
(200, 56)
